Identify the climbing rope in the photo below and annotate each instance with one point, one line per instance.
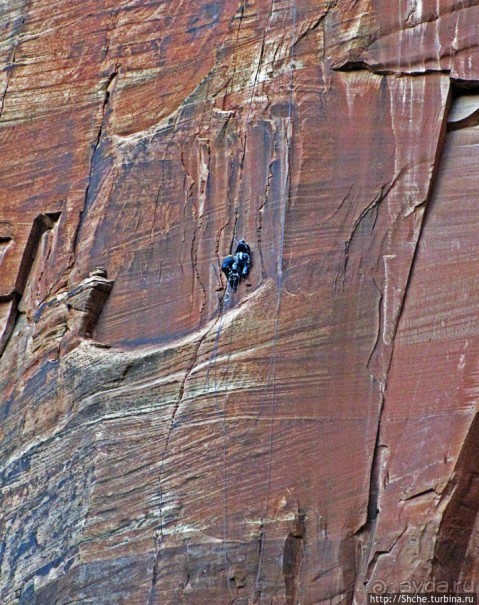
(270, 383)
(225, 306)
(279, 289)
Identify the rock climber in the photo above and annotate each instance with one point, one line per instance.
(230, 269)
(226, 265)
(242, 263)
(237, 266)
(243, 247)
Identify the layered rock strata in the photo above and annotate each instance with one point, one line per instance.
(312, 439)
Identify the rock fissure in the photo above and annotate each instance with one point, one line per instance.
(159, 538)
(110, 82)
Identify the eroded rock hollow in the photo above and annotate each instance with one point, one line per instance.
(310, 440)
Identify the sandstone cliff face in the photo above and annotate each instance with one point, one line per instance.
(314, 438)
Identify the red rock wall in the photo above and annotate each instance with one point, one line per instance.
(314, 438)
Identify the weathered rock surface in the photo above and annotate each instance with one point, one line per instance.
(314, 438)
